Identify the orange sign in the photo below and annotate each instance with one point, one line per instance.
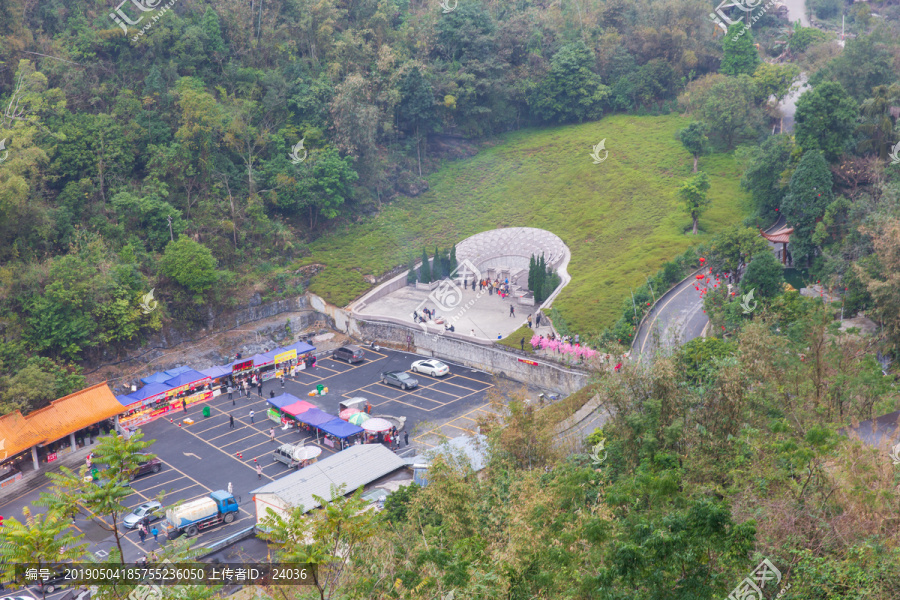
(528, 362)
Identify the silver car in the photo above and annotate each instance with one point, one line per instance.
(151, 510)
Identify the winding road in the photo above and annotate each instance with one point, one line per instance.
(677, 317)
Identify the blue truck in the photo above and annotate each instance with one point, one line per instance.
(192, 517)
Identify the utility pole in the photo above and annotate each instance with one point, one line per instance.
(171, 235)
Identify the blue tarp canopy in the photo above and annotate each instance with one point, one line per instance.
(150, 390)
(177, 371)
(186, 378)
(216, 372)
(283, 400)
(339, 428)
(155, 378)
(315, 417)
(126, 400)
(261, 360)
(301, 347)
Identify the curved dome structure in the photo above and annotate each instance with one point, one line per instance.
(508, 251)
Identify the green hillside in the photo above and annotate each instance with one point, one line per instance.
(620, 218)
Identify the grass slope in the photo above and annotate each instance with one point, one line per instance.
(621, 218)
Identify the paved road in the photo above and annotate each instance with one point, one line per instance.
(678, 316)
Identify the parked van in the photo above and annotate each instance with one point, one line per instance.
(296, 456)
(351, 354)
(285, 454)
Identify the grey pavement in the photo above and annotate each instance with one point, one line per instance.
(486, 314)
(207, 455)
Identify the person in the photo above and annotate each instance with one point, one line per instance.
(522, 344)
(528, 320)
(258, 471)
(230, 395)
(537, 320)
(142, 533)
(272, 434)
(155, 533)
(512, 310)
(251, 415)
(415, 316)
(282, 381)
(406, 437)
(499, 336)
(231, 421)
(576, 338)
(368, 408)
(473, 333)
(618, 367)
(184, 405)
(230, 490)
(271, 393)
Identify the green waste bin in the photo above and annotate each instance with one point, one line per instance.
(205, 411)
(95, 474)
(319, 388)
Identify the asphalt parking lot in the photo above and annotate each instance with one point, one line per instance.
(207, 455)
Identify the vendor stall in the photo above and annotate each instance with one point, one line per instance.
(264, 364)
(186, 381)
(339, 429)
(276, 407)
(217, 374)
(242, 366)
(140, 404)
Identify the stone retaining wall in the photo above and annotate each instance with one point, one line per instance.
(473, 352)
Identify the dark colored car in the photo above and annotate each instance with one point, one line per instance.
(151, 465)
(351, 354)
(401, 379)
(53, 583)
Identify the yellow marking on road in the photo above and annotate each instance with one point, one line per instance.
(228, 454)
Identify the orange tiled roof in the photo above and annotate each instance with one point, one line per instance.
(62, 417)
(782, 236)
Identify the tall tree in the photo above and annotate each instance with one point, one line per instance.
(416, 108)
(810, 193)
(331, 537)
(735, 247)
(764, 275)
(693, 138)
(775, 80)
(763, 175)
(70, 493)
(425, 269)
(692, 194)
(881, 275)
(729, 108)
(878, 120)
(739, 53)
(190, 265)
(571, 91)
(825, 119)
(38, 540)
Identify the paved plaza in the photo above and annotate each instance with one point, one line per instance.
(496, 254)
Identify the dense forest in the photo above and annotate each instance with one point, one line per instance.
(197, 152)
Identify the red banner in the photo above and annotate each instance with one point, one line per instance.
(528, 362)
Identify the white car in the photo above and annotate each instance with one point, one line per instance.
(151, 510)
(435, 368)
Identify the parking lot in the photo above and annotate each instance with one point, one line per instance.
(207, 455)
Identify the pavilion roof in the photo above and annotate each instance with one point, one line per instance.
(782, 236)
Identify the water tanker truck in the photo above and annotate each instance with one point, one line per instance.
(192, 517)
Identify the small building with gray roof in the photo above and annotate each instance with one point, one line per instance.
(355, 467)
